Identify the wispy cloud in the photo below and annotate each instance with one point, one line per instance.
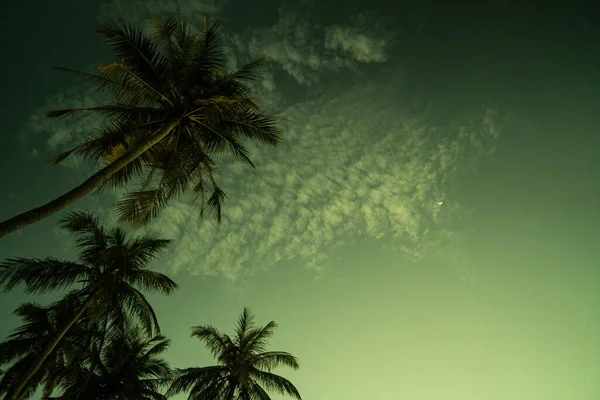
(353, 166)
(305, 50)
(362, 47)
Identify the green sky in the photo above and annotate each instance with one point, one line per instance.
(380, 291)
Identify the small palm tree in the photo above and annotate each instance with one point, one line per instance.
(123, 365)
(25, 342)
(112, 269)
(174, 108)
(244, 369)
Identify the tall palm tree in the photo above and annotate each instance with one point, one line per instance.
(124, 365)
(244, 366)
(174, 108)
(22, 345)
(112, 270)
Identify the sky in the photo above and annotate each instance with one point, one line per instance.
(429, 228)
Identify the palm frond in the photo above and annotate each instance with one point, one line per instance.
(36, 324)
(82, 223)
(216, 342)
(132, 88)
(196, 379)
(117, 111)
(98, 147)
(251, 71)
(98, 82)
(255, 392)
(137, 305)
(204, 55)
(270, 360)
(40, 275)
(141, 207)
(31, 313)
(57, 159)
(163, 31)
(151, 281)
(125, 175)
(91, 239)
(257, 337)
(215, 202)
(275, 383)
(217, 142)
(254, 126)
(235, 84)
(244, 323)
(118, 240)
(13, 373)
(136, 50)
(171, 172)
(158, 344)
(223, 105)
(145, 248)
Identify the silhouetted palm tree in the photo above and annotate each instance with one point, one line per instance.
(123, 365)
(174, 108)
(112, 269)
(22, 345)
(244, 369)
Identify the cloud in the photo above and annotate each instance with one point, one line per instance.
(354, 166)
(304, 49)
(363, 47)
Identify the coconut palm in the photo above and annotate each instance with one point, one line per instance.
(112, 270)
(244, 366)
(22, 345)
(123, 365)
(174, 108)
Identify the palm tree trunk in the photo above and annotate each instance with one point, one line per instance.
(39, 213)
(16, 389)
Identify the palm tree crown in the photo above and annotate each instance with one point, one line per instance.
(244, 366)
(175, 107)
(122, 364)
(111, 265)
(22, 345)
(112, 269)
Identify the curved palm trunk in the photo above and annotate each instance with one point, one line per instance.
(39, 213)
(14, 391)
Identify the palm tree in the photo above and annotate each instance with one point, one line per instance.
(112, 269)
(244, 365)
(22, 345)
(123, 365)
(174, 108)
